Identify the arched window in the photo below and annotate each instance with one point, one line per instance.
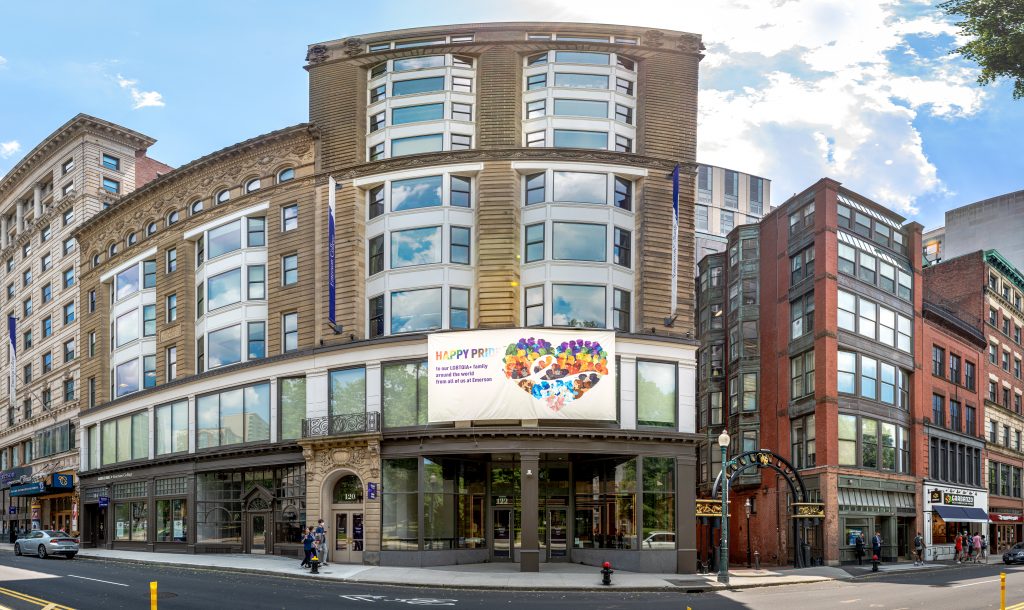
(252, 185)
(151, 228)
(95, 260)
(348, 489)
(196, 207)
(285, 175)
(223, 196)
(132, 238)
(172, 218)
(112, 250)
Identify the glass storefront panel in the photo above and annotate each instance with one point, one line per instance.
(453, 504)
(400, 515)
(659, 503)
(605, 504)
(171, 520)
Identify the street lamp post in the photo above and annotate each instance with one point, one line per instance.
(747, 507)
(723, 569)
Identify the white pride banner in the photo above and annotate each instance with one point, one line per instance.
(533, 373)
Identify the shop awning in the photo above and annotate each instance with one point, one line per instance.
(960, 514)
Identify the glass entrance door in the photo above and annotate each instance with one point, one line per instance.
(258, 534)
(501, 531)
(557, 534)
(348, 537)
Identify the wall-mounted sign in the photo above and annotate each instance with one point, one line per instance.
(521, 374)
(119, 475)
(104, 501)
(63, 481)
(954, 496)
(12, 510)
(371, 491)
(957, 499)
(1005, 518)
(28, 489)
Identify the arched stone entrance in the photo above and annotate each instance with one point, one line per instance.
(342, 476)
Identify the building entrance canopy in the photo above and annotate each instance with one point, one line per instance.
(961, 514)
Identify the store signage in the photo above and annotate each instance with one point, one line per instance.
(63, 481)
(12, 510)
(522, 374)
(957, 499)
(952, 496)
(104, 501)
(119, 475)
(28, 489)
(8, 476)
(1005, 518)
(371, 491)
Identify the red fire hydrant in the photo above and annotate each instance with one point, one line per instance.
(874, 563)
(606, 573)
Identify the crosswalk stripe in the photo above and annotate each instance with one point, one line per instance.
(1019, 606)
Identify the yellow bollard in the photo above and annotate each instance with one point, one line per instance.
(152, 595)
(1002, 591)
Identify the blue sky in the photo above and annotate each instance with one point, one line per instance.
(791, 90)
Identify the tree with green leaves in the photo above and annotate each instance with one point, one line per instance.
(996, 28)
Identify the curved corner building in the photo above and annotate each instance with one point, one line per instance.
(509, 372)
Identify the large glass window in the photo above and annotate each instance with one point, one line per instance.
(233, 416)
(417, 85)
(656, 393)
(127, 327)
(659, 503)
(347, 392)
(415, 310)
(171, 428)
(413, 114)
(224, 239)
(582, 57)
(847, 440)
(581, 81)
(580, 187)
(125, 438)
(292, 397)
(171, 520)
(130, 520)
(400, 504)
(535, 242)
(579, 241)
(415, 193)
(414, 145)
(404, 395)
(126, 378)
(224, 289)
(126, 283)
(573, 138)
(578, 306)
(413, 247)
(224, 346)
(588, 108)
(606, 504)
(847, 379)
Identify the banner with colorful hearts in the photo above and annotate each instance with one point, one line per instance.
(521, 374)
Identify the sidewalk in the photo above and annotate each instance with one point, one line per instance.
(560, 576)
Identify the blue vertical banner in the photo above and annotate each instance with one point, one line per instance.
(675, 236)
(332, 185)
(12, 357)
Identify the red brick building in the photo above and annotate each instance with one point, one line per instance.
(985, 288)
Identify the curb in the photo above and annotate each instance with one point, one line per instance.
(939, 567)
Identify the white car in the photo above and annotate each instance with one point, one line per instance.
(44, 543)
(660, 540)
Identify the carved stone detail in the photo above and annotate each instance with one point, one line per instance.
(317, 53)
(353, 46)
(690, 44)
(654, 38)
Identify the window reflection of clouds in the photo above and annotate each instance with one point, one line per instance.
(415, 193)
(568, 138)
(416, 144)
(582, 81)
(579, 242)
(415, 247)
(224, 289)
(224, 346)
(418, 63)
(581, 187)
(581, 306)
(127, 282)
(422, 85)
(225, 239)
(414, 114)
(127, 327)
(590, 108)
(128, 377)
(413, 310)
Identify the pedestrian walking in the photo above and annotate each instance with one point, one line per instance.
(859, 549)
(308, 543)
(919, 549)
(876, 546)
(958, 545)
(321, 541)
(984, 547)
(977, 547)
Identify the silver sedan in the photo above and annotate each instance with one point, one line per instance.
(44, 543)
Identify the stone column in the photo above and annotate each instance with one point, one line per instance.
(529, 472)
(686, 512)
(37, 202)
(4, 237)
(20, 217)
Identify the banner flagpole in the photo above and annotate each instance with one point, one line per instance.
(675, 237)
(332, 186)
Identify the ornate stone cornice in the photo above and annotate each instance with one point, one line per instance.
(553, 155)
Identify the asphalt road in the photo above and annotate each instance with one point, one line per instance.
(28, 582)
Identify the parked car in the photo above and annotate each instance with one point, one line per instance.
(660, 540)
(44, 543)
(1014, 554)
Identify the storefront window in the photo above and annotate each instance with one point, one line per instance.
(400, 515)
(656, 393)
(130, 521)
(233, 416)
(453, 504)
(348, 392)
(606, 504)
(290, 504)
(292, 396)
(219, 507)
(171, 521)
(125, 438)
(659, 503)
(172, 428)
(404, 397)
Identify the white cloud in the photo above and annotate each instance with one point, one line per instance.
(794, 90)
(9, 149)
(140, 99)
(3, 60)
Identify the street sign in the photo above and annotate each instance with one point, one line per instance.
(12, 510)
(104, 501)
(371, 491)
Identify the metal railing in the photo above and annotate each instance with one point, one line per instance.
(341, 425)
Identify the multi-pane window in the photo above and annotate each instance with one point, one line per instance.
(69, 312)
(938, 360)
(290, 217)
(376, 254)
(726, 220)
(801, 315)
(621, 306)
(290, 269)
(534, 242)
(954, 368)
(938, 410)
(534, 305)
(802, 265)
(233, 416)
(375, 313)
(172, 307)
(622, 247)
(257, 275)
(256, 339)
(801, 369)
(290, 330)
(458, 311)
(172, 362)
(125, 438)
(802, 435)
(460, 245)
(461, 191)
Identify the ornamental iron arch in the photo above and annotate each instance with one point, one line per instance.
(805, 513)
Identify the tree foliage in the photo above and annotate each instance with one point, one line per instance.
(996, 29)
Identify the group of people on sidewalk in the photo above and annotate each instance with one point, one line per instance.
(970, 548)
(314, 545)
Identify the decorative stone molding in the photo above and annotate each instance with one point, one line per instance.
(654, 38)
(317, 53)
(690, 44)
(353, 46)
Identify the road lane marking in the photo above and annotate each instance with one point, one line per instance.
(849, 601)
(48, 605)
(98, 580)
(971, 584)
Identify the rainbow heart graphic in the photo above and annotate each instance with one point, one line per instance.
(556, 374)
